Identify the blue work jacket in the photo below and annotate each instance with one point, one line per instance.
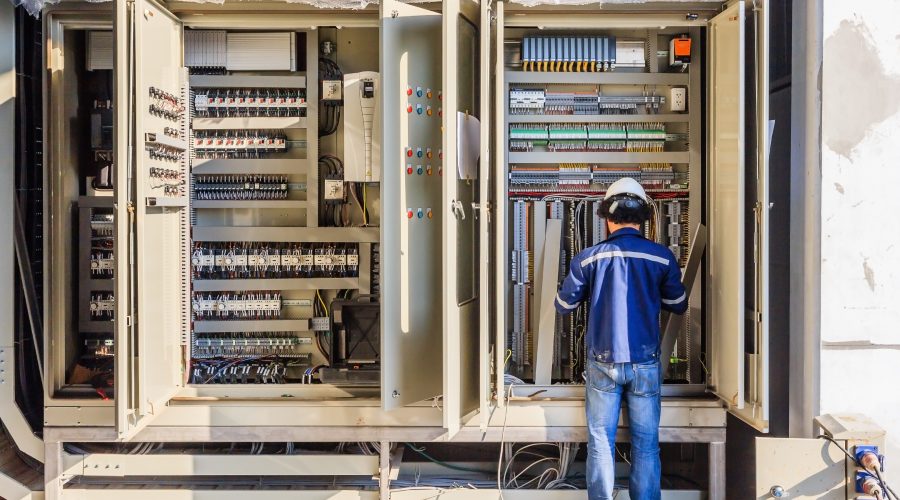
(627, 279)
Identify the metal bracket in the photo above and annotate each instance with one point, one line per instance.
(482, 207)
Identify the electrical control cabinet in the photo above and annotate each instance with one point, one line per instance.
(276, 216)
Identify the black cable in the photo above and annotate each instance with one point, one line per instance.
(840, 447)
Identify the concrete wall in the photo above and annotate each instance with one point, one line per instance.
(860, 260)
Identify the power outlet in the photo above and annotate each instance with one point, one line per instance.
(678, 99)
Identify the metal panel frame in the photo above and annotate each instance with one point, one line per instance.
(726, 215)
(407, 334)
(56, 23)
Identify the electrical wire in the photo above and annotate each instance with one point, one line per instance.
(421, 451)
(839, 446)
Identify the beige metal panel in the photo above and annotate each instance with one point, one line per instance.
(255, 433)
(760, 418)
(312, 121)
(543, 359)
(290, 166)
(487, 307)
(411, 277)
(217, 17)
(218, 494)
(459, 232)
(500, 204)
(573, 414)
(256, 122)
(64, 416)
(276, 284)
(450, 228)
(726, 204)
(572, 434)
(11, 489)
(123, 135)
(119, 465)
(590, 20)
(232, 81)
(275, 414)
(803, 468)
(162, 233)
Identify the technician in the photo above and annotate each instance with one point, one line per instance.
(626, 279)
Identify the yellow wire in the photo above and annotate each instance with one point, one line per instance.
(508, 355)
(365, 217)
(322, 302)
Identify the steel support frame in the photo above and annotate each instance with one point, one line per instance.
(60, 467)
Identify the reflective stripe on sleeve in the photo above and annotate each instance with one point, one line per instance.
(565, 304)
(674, 301)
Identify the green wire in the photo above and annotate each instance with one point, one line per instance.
(445, 464)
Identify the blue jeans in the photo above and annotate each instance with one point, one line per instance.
(606, 383)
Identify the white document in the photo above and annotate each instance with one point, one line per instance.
(468, 145)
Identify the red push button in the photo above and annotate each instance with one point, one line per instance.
(409, 213)
(409, 152)
(409, 170)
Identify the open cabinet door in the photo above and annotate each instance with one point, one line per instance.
(461, 196)
(486, 308)
(123, 319)
(726, 204)
(157, 170)
(413, 214)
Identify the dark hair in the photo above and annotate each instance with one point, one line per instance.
(630, 209)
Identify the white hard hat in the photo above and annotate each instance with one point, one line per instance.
(626, 185)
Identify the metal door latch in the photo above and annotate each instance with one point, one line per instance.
(459, 212)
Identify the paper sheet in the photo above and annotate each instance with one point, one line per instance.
(468, 145)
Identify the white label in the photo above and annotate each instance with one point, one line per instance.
(201, 102)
